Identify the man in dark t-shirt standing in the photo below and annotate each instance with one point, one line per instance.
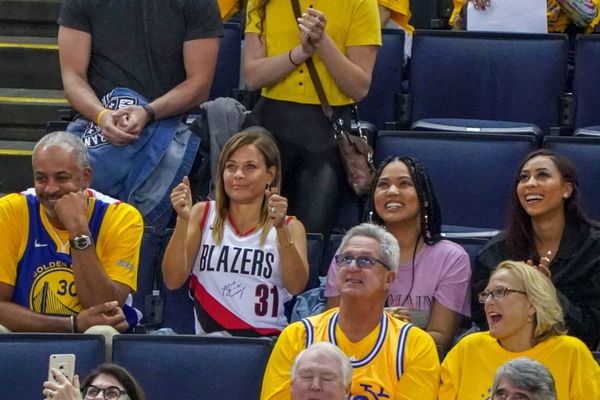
(163, 51)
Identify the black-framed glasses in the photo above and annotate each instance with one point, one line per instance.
(504, 395)
(109, 393)
(497, 294)
(364, 262)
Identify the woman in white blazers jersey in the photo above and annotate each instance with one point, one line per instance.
(244, 256)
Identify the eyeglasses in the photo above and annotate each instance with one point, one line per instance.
(363, 262)
(504, 395)
(497, 294)
(109, 393)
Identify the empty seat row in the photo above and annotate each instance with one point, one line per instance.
(167, 367)
(494, 78)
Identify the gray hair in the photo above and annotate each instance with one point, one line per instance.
(527, 374)
(388, 245)
(331, 350)
(67, 140)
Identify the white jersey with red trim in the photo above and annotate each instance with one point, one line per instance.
(237, 285)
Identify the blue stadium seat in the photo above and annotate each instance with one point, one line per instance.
(227, 72)
(332, 245)
(586, 85)
(178, 308)
(24, 366)
(178, 311)
(348, 211)
(146, 269)
(472, 173)
(314, 243)
(584, 153)
(379, 105)
(490, 76)
(194, 367)
(430, 14)
(472, 245)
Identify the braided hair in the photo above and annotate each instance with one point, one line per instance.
(430, 214)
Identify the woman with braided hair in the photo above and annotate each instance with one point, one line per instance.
(432, 281)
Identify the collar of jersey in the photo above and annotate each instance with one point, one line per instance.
(378, 343)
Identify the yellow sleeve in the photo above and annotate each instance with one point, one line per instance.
(14, 218)
(399, 6)
(597, 19)
(457, 6)
(276, 382)
(365, 25)
(421, 377)
(119, 242)
(252, 17)
(400, 12)
(450, 375)
(585, 380)
(228, 8)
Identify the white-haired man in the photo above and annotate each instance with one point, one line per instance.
(321, 372)
(391, 359)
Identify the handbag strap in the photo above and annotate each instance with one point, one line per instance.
(314, 76)
(312, 71)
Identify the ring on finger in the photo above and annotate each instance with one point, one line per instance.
(273, 209)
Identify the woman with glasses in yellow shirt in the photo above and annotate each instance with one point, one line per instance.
(525, 320)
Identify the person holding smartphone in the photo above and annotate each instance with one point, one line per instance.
(110, 381)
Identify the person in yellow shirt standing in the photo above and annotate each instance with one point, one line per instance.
(342, 38)
(391, 359)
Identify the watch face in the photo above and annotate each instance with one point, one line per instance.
(81, 242)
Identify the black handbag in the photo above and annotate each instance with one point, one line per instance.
(355, 152)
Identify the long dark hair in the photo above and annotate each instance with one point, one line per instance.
(519, 230)
(133, 389)
(430, 214)
(261, 10)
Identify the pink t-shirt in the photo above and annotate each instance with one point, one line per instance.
(442, 272)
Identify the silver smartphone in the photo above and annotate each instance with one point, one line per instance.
(64, 363)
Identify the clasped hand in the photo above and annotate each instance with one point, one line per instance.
(124, 126)
(312, 29)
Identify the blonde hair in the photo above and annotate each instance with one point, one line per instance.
(541, 293)
(262, 139)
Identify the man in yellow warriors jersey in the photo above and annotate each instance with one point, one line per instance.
(391, 359)
(68, 254)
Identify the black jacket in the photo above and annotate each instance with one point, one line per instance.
(575, 274)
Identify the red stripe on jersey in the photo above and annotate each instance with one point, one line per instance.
(204, 215)
(222, 315)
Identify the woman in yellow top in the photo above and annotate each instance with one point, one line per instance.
(526, 320)
(342, 37)
(568, 16)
